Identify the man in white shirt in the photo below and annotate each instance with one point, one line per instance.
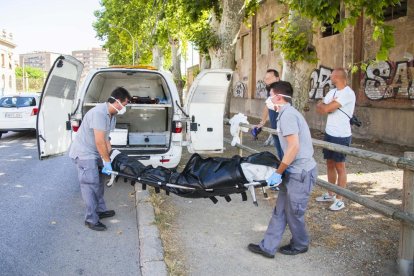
(339, 105)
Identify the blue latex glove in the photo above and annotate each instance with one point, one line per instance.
(107, 168)
(274, 180)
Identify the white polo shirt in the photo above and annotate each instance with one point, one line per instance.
(337, 124)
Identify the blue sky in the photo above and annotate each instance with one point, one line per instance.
(59, 26)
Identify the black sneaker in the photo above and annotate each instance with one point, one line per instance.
(99, 226)
(255, 248)
(288, 250)
(106, 214)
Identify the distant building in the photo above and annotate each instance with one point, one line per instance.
(7, 67)
(38, 59)
(94, 58)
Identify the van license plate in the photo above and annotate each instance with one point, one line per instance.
(13, 115)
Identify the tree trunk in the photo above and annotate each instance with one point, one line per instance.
(298, 72)
(157, 57)
(176, 66)
(205, 62)
(226, 30)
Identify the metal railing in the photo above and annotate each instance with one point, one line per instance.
(405, 216)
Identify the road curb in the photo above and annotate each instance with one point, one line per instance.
(151, 255)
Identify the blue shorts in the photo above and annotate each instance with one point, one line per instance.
(333, 155)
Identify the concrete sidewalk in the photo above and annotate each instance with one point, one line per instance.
(151, 250)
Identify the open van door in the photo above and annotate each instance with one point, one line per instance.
(56, 107)
(205, 106)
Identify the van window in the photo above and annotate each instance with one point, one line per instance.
(17, 101)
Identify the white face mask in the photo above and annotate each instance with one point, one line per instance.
(123, 109)
(269, 103)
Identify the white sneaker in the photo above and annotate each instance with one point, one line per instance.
(337, 205)
(325, 197)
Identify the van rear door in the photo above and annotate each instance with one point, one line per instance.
(57, 104)
(205, 106)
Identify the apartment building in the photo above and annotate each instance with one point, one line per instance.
(38, 59)
(7, 66)
(93, 58)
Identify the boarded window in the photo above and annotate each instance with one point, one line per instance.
(394, 12)
(245, 46)
(238, 49)
(273, 27)
(328, 29)
(264, 36)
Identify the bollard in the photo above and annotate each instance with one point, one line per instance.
(406, 247)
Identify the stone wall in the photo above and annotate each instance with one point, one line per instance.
(385, 92)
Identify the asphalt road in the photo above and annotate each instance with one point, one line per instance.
(42, 228)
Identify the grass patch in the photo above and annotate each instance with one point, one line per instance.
(165, 214)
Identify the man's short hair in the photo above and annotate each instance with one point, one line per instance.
(282, 87)
(276, 73)
(120, 94)
(342, 72)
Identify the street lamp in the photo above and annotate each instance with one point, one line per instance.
(132, 38)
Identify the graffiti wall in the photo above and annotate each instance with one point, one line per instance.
(261, 92)
(320, 82)
(239, 89)
(384, 80)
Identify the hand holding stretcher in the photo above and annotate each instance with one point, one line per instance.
(201, 177)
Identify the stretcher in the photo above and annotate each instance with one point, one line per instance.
(202, 177)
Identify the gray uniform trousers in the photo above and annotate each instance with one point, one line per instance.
(92, 188)
(290, 210)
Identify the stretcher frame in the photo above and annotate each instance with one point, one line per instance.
(161, 185)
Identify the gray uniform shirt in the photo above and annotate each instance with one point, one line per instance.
(289, 122)
(83, 146)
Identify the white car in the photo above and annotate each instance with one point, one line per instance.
(18, 112)
(151, 130)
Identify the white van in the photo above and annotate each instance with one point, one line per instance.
(152, 128)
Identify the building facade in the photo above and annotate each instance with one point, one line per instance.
(385, 91)
(93, 58)
(7, 66)
(38, 59)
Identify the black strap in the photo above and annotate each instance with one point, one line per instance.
(244, 196)
(339, 108)
(213, 199)
(344, 113)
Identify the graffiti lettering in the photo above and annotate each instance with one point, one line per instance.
(320, 82)
(261, 92)
(239, 89)
(384, 80)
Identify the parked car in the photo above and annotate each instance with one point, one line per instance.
(18, 112)
(151, 130)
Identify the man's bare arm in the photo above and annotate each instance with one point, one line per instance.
(102, 145)
(322, 108)
(290, 153)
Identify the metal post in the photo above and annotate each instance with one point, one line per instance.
(241, 143)
(406, 248)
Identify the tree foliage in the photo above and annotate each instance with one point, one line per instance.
(326, 12)
(30, 72)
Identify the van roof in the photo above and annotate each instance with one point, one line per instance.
(141, 66)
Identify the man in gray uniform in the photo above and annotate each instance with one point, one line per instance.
(90, 149)
(300, 172)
